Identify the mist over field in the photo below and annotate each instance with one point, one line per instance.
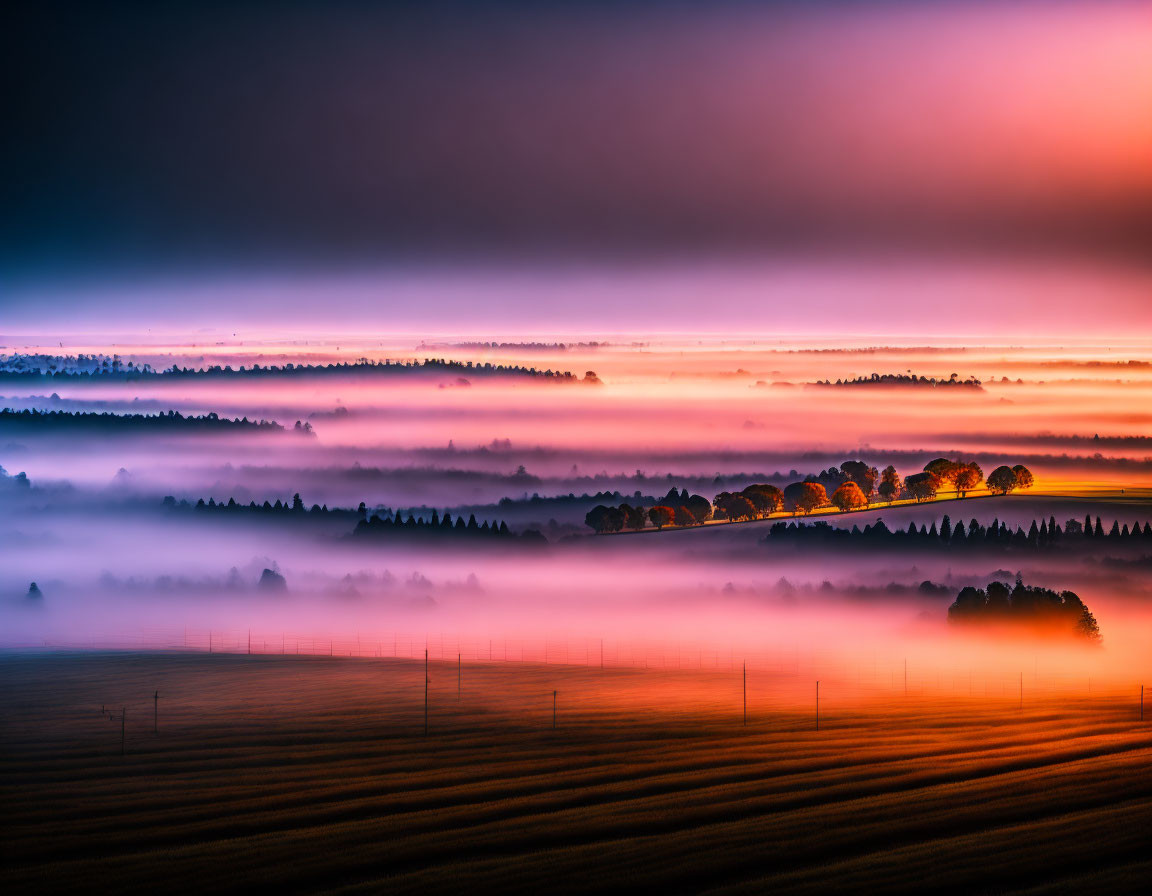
(517, 447)
(110, 530)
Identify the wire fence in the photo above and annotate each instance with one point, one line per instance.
(865, 671)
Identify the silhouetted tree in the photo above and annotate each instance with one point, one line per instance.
(863, 475)
(1001, 480)
(922, 486)
(767, 499)
(735, 507)
(661, 516)
(700, 508)
(890, 484)
(270, 580)
(634, 517)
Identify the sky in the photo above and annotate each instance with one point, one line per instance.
(586, 166)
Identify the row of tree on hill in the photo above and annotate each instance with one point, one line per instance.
(1041, 534)
(64, 369)
(902, 379)
(50, 421)
(853, 486)
(1040, 609)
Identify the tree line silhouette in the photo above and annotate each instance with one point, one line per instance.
(910, 379)
(116, 370)
(279, 508)
(852, 485)
(380, 521)
(437, 527)
(513, 346)
(1041, 535)
(1025, 606)
(36, 420)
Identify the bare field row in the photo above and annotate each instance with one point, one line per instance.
(313, 773)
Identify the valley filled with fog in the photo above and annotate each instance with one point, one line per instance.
(168, 533)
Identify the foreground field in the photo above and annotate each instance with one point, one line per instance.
(314, 774)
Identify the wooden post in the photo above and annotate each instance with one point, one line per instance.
(425, 691)
(155, 712)
(817, 705)
(553, 710)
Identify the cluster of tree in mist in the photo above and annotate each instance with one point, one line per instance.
(16, 483)
(99, 368)
(263, 576)
(852, 486)
(35, 421)
(1047, 534)
(906, 380)
(1031, 607)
